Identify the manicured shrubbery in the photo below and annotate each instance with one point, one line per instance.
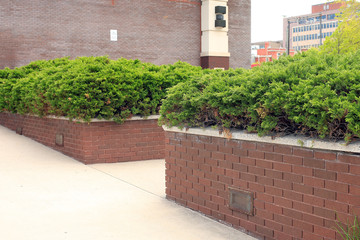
(311, 93)
(90, 87)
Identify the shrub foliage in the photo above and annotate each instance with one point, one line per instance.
(90, 87)
(311, 93)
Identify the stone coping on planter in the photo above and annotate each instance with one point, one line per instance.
(299, 141)
(134, 118)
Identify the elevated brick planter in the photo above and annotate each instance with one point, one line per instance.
(94, 142)
(283, 188)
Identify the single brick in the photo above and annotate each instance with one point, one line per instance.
(303, 152)
(328, 175)
(256, 154)
(337, 186)
(349, 158)
(326, 194)
(264, 231)
(303, 207)
(310, 162)
(265, 147)
(313, 200)
(248, 145)
(337, 206)
(286, 150)
(293, 160)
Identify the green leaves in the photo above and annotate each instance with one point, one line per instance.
(346, 38)
(90, 87)
(311, 93)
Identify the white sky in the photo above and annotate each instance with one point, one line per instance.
(267, 16)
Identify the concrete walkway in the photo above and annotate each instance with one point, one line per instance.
(45, 195)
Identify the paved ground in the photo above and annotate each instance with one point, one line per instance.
(45, 195)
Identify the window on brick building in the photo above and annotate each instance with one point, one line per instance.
(331, 16)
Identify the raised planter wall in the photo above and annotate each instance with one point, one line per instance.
(298, 192)
(94, 142)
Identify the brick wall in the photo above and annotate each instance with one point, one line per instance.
(96, 142)
(299, 193)
(240, 33)
(157, 31)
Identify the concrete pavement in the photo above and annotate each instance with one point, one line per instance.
(46, 195)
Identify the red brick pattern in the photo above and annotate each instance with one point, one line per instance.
(96, 142)
(240, 33)
(157, 31)
(299, 193)
(215, 62)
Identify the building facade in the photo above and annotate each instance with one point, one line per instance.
(267, 52)
(157, 31)
(306, 31)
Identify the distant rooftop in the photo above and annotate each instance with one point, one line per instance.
(272, 44)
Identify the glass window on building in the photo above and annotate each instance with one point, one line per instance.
(302, 21)
(327, 25)
(331, 16)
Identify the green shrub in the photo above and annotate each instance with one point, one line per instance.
(351, 231)
(90, 87)
(312, 94)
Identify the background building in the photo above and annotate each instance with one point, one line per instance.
(307, 31)
(157, 31)
(267, 52)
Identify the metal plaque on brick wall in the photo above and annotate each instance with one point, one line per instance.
(59, 139)
(241, 201)
(19, 130)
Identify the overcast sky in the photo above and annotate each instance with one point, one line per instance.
(267, 16)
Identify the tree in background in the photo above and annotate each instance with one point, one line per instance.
(346, 37)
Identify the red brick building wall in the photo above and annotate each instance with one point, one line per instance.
(95, 142)
(328, 6)
(299, 193)
(240, 33)
(157, 31)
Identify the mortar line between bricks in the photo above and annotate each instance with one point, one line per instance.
(127, 182)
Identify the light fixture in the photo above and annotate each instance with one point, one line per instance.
(220, 11)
